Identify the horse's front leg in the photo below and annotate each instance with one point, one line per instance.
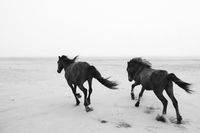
(140, 95)
(132, 90)
(90, 90)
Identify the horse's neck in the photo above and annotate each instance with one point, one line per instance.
(146, 72)
(67, 66)
(138, 72)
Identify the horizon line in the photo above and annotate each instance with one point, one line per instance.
(35, 57)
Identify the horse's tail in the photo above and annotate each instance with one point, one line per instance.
(179, 82)
(96, 74)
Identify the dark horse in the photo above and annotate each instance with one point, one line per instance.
(76, 73)
(141, 72)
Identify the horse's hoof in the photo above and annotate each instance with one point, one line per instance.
(88, 109)
(88, 102)
(179, 119)
(137, 104)
(78, 95)
(77, 103)
(160, 118)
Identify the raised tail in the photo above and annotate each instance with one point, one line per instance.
(96, 74)
(179, 82)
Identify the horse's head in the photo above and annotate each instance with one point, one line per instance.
(64, 61)
(130, 71)
(60, 63)
(135, 65)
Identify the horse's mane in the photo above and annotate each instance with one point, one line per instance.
(141, 61)
(66, 59)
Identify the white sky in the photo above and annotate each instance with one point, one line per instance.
(100, 27)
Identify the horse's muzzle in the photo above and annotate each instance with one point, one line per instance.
(58, 71)
(130, 79)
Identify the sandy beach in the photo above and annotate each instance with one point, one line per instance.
(34, 98)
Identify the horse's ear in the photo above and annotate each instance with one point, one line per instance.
(59, 57)
(75, 58)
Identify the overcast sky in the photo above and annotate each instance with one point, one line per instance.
(99, 27)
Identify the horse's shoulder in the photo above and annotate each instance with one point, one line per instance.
(147, 71)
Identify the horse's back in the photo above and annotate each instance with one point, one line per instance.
(153, 78)
(77, 72)
(80, 65)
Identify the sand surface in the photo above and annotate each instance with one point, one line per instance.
(34, 98)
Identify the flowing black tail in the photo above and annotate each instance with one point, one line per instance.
(179, 82)
(95, 73)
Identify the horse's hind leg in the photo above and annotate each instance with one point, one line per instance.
(85, 97)
(163, 100)
(169, 90)
(84, 90)
(90, 91)
(140, 95)
(75, 94)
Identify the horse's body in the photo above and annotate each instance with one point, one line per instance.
(76, 73)
(141, 72)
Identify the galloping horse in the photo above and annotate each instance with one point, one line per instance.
(76, 73)
(141, 72)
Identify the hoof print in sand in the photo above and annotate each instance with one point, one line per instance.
(149, 110)
(123, 125)
(103, 121)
